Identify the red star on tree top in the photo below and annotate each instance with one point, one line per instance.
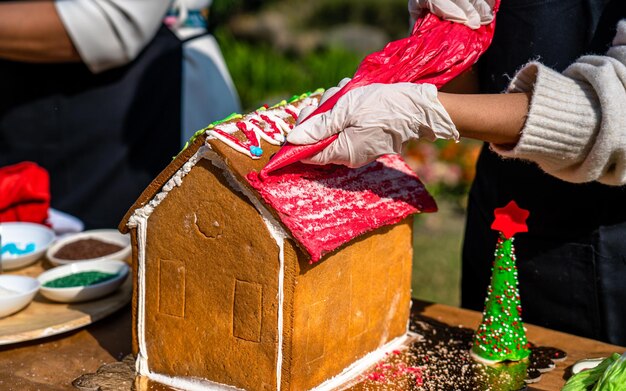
(510, 220)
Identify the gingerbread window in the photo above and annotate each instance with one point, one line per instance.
(172, 288)
(247, 310)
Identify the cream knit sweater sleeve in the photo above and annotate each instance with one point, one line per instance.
(576, 124)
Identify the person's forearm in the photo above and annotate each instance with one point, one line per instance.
(466, 83)
(32, 31)
(495, 118)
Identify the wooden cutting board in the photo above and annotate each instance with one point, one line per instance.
(43, 318)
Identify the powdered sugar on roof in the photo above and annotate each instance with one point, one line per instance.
(325, 207)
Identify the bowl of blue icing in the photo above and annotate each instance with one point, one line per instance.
(21, 244)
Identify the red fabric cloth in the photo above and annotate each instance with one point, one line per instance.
(436, 52)
(24, 193)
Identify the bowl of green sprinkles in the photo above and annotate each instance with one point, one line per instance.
(83, 281)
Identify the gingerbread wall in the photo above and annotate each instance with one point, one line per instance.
(349, 304)
(211, 285)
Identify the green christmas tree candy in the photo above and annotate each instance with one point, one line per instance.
(501, 335)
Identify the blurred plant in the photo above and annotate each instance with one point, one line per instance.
(263, 75)
(222, 10)
(447, 168)
(391, 15)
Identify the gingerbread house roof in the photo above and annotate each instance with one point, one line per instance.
(322, 207)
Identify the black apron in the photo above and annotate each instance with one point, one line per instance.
(572, 262)
(102, 137)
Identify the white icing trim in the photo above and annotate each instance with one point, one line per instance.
(281, 309)
(261, 133)
(190, 384)
(142, 356)
(309, 101)
(282, 125)
(228, 127)
(350, 373)
(231, 144)
(175, 180)
(293, 108)
(487, 361)
(366, 362)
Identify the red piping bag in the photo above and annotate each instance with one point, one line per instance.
(436, 52)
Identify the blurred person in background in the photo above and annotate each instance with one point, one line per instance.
(571, 262)
(208, 90)
(563, 136)
(91, 91)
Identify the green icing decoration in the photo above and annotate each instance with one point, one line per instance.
(229, 118)
(193, 138)
(298, 97)
(281, 103)
(305, 95)
(501, 335)
(79, 279)
(211, 126)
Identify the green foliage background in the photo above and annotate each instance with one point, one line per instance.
(262, 74)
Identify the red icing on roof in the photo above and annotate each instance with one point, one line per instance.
(325, 207)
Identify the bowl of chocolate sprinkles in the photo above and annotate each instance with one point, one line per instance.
(89, 246)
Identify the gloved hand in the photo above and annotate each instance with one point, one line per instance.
(471, 13)
(304, 113)
(375, 120)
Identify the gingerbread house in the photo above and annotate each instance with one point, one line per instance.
(289, 284)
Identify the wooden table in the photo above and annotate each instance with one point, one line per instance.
(576, 347)
(53, 363)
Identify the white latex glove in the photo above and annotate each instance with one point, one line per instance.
(471, 13)
(304, 113)
(375, 120)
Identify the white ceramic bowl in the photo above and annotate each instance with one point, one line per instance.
(105, 235)
(25, 289)
(84, 293)
(22, 235)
